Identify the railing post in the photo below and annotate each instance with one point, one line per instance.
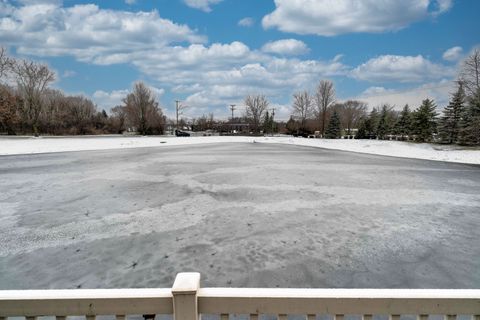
(184, 291)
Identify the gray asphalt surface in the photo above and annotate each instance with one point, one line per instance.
(241, 214)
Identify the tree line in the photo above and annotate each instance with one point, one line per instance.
(29, 106)
(459, 121)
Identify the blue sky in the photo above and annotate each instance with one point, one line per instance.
(211, 53)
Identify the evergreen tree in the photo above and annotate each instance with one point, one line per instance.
(382, 126)
(424, 121)
(266, 123)
(362, 129)
(470, 124)
(452, 114)
(371, 124)
(333, 129)
(291, 125)
(404, 123)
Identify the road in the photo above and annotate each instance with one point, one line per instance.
(244, 214)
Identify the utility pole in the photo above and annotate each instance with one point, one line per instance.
(232, 108)
(176, 108)
(272, 123)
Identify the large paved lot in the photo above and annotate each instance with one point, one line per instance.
(241, 214)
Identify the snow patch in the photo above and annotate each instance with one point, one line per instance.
(16, 146)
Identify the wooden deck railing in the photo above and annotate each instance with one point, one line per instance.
(186, 301)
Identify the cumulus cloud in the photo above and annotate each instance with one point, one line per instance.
(438, 91)
(329, 18)
(286, 47)
(246, 22)
(453, 54)
(108, 100)
(89, 33)
(203, 5)
(393, 68)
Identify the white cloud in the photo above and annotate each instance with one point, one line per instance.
(329, 18)
(286, 47)
(218, 74)
(246, 22)
(400, 69)
(438, 91)
(108, 100)
(453, 54)
(69, 74)
(203, 5)
(89, 33)
(130, 1)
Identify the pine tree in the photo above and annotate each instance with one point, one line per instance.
(333, 129)
(425, 125)
(372, 123)
(266, 123)
(452, 114)
(404, 122)
(291, 125)
(362, 129)
(470, 124)
(382, 126)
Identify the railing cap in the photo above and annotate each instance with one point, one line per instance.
(186, 283)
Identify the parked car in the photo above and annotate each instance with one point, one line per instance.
(179, 133)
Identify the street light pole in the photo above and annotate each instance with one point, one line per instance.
(232, 107)
(176, 108)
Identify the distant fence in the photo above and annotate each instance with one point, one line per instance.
(187, 301)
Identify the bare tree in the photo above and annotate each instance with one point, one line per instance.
(5, 63)
(32, 80)
(256, 107)
(324, 98)
(302, 107)
(118, 119)
(470, 74)
(8, 110)
(81, 113)
(351, 112)
(142, 108)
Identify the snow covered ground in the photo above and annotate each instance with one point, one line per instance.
(28, 145)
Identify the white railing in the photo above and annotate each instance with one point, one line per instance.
(186, 301)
